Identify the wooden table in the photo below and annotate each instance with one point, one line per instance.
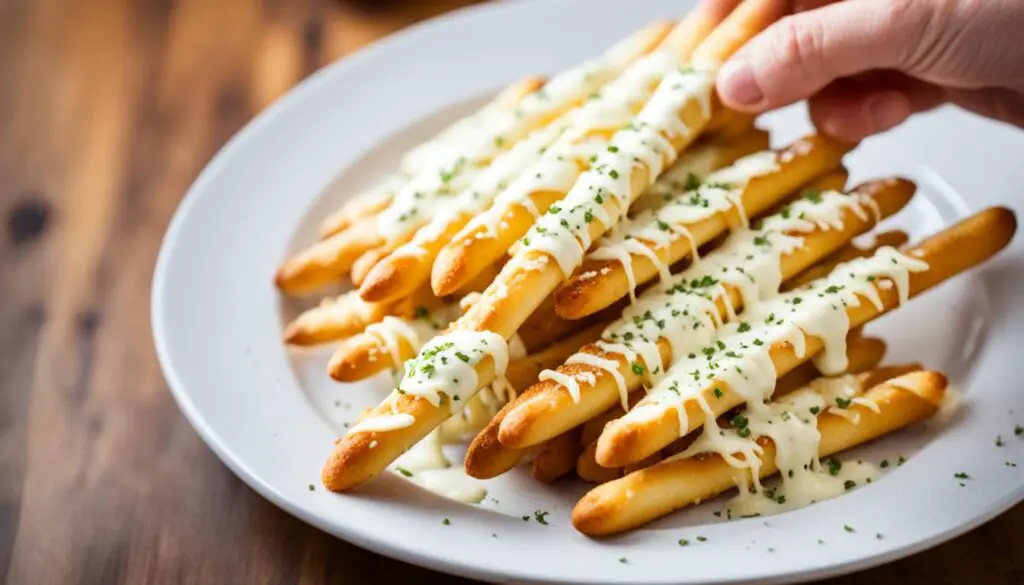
(108, 110)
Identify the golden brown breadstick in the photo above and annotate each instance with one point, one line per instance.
(387, 344)
(425, 194)
(362, 206)
(653, 242)
(486, 456)
(867, 288)
(395, 425)
(334, 318)
(863, 354)
(557, 457)
(472, 353)
(696, 163)
(660, 489)
(570, 160)
(602, 372)
(326, 261)
(410, 264)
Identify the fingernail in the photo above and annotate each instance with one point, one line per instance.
(887, 110)
(738, 84)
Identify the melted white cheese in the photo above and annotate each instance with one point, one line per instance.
(561, 164)
(494, 130)
(657, 229)
(791, 423)
(739, 356)
(446, 366)
(426, 465)
(683, 312)
(604, 192)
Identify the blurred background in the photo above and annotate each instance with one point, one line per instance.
(108, 111)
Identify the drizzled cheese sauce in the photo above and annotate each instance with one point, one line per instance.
(791, 423)
(470, 151)
(426, 465)
(559, 167)
(683, 310)
(655, 229)
(604, 192)
(739, 357)
(446, 366)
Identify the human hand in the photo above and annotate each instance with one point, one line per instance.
(867, 65)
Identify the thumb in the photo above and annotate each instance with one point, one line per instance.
(799, 55)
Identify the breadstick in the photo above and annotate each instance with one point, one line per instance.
(409, 266)
(863, 354)
(695, 164)
(492, 233)
(486, 456)
(679, 108)
(406, 417)
(892, 239)
(730, 125)
(387, 344)
(557, 457)
(601, 372)
(652, 242)
(365, 263)
(425, 194)
(413, 207)
(661, 489)
(362, 206)
(326, 261)
(855, 293)
(543, 327)
(422, 159)
(334, 318)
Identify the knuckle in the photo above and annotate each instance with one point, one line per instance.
(801, 45)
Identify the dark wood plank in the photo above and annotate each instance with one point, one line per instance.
(108, 110)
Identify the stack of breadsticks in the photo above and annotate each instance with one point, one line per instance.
(677, 306)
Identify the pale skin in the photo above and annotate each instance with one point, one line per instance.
(867, 65)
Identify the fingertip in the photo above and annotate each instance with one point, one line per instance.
(738, 87)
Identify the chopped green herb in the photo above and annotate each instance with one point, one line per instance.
(692, 182)
(961, 475)
(312, 487)
(744, 327)
(718, 392)
(446, 522)
(999, 440)
(614, 174)
(849, 484)
(683, 542)
(638, 369)
(701, 539)
(404, 471)
(540, 515)
(884, 463)
(833, 464)
(843, 403)
(848, 528)
(815, 409)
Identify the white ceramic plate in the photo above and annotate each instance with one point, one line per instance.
(272, 416)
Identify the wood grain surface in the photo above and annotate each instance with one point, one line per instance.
(108, 111)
